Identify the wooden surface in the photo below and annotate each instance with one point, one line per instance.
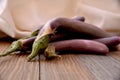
(70, 67)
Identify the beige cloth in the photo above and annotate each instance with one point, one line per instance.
(19, 17)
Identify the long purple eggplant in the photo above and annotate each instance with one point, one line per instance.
(42, 40)
(80, 46)
(109, 41)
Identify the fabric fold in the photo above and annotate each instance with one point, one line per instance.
(19, 18)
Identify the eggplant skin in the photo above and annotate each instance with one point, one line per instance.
(78, 27)
(110, 41)
(81, 46)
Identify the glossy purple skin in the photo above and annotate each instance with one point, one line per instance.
(75, 26)
(78, 18)
(79, 27)
(109, 41)
(27, 43)
(81, 45)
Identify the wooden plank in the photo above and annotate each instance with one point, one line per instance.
(16, 67)
(68, 68)
(103, 67)
(115, 54)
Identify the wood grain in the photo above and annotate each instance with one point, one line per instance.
(103, 67)
(70, 67)
(115, 54)
(16, 67)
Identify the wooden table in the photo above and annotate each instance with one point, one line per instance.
(70, 67)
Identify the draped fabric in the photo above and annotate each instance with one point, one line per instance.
(19, 17)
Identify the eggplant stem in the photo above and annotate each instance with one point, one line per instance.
(50, 53)
(35, 33)
(38, 46)
(16, 45)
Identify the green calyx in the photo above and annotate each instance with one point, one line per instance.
(50, 53)
(15, 46)
(35, 33)
(38, 46)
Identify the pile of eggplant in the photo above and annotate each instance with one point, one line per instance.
(60, 35)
